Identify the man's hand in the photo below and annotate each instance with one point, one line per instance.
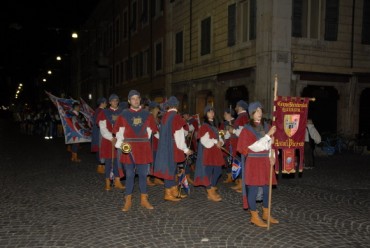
(114, 141)
(189, 152)
(272, 161)
(219, 144)
(272, 131)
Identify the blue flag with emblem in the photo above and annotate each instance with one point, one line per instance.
(235, 168)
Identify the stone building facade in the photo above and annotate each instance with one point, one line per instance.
(218, 52)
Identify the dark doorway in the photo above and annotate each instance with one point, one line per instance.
(323, 111)
(364, 120)
(234, 94)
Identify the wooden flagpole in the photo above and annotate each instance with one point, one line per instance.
(271, 152)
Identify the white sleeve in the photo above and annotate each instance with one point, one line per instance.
(180, 140)
(206, 141)
(191, 127)
(104, 130)
(119, 137)
(238, 130)
(262, 144)
(149, 131)
(315, 134)
(227, 135)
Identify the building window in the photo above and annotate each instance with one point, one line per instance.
(125, 24)
(205, 37)
(231, 25)
(121, 71)
(134, 67)
(306, 18)
(146, 62)
(331, 19)
(141, 64)
(248, 20)
(117, 31)
(157, 7)
(125, 70)
(117, 78)
(158, 56)
(145, 12)
(179, 48)
(366, 23)
(110, 36)
(133, 19)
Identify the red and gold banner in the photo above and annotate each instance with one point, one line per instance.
(290, 121)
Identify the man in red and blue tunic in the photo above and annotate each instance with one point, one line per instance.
(171, 149)
(134, 128)
(106, 120)
(96, 137)
(240, 121)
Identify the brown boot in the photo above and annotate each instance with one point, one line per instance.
(175, 193)
(238, 186)
(216, 193)
(237, 182)
(190, 181)
(212, 195)
(265, 213)
(168, 195)
(229, 179)
(118, 184)
(255, 219)
(74, 158)
(149, 182)
(158, 181)
(128, 203)
(100, 169)
(107, 184)
(144, 202)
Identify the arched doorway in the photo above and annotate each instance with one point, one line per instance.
(364, 117)
(236, 93)
(204, 98)
(323, 111)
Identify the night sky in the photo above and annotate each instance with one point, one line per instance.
(33, 33)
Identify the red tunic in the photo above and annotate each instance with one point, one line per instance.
(211, 156)
(241, 120)
(257, 170)
(106, 146)
(141, 151)
(177, 123)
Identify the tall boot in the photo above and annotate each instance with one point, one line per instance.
(229, 179)
(149, 182)
(190, 181)
(265, 213)
(74, 157)
(255, 219)
(118, 184)
(144, 202)
(212, 196)
(128, 203)
(175, 193)
(237, 182)
(158, 181)
(168, 195)
(100, 169)
(107, 184)
(216, 193)
(238, 186)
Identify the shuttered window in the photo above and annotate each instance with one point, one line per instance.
(205, 39)
(366, 23)
(331, 19)
(179, 47)
(231, 25)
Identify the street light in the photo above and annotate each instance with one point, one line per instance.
(44, 79)
(59, 58)
(74, 35)
(50, 72)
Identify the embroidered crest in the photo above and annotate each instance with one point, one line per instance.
(137, 121)
(114, 117)
(291, 124)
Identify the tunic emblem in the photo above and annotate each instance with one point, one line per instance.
(114, 117)
(137, 121)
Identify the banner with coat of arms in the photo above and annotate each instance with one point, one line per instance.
(290, 121)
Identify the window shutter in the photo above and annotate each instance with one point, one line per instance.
(253, 13)
(366, 23)
(297, 18)
(231, 25)
(331, 20)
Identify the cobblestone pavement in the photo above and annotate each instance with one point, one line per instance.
(47, 201)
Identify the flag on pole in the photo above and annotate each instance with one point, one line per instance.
(76, 128)
(235, 169)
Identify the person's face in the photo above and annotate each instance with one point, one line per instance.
(238, 109)
(186, 116)
(155, 112)
(257, 116)
(114, 103)
(210, 115)
(135, 101)
(77, 108)
(104, 105)
(227, 116)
